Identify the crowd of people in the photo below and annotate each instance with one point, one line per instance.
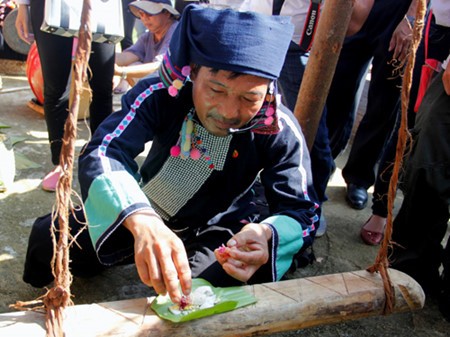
(213, 88)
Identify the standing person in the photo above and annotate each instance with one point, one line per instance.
(438, 47)
(145, 56)
(215, 126)
(383, 41)
(55, 54)
(422, 221)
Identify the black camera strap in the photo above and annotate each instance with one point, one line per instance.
(310, 25)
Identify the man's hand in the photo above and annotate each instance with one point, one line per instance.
(245, 252)
(446, 79)
(400, 41)
(23, 24)
(160, 256)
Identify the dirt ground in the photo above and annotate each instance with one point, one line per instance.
(339, 250)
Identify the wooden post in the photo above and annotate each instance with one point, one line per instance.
(281, 306)
(328, 40)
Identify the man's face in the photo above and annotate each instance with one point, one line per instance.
(223, 102)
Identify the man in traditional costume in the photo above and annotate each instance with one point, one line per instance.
(216, 129)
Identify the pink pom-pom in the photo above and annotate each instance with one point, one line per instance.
(175, 151)
(195, 154)
(270, 111)
(269, 120)
(186, 71)
(173, 91)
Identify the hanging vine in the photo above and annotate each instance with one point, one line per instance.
(381, 263)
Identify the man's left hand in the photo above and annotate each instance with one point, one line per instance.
(246, 251)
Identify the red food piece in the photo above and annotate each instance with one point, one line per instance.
(222, 251)
(184, 302)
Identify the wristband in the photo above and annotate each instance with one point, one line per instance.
(124, 74)
(411, 19)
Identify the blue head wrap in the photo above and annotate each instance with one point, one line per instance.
(241, 42)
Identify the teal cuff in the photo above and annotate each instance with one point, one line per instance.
(287, 241)
(110, 194)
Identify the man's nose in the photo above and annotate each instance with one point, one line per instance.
(229, 109)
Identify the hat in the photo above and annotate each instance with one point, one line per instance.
(242, 42)
(152, 7)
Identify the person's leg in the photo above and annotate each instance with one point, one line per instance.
(383, 96)
(128, 25)
(322, 163)
(101, 62)
(291, 75)
(384, 174)
(84, 261)
(372, 231)
(341, 102)
(55, 56)
(418, 230)
(376, 125)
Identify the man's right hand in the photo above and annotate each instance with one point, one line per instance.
(160, 256)
(23, 24)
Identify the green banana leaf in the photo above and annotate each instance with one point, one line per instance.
(229, 298)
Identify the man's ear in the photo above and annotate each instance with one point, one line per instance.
(194, 71)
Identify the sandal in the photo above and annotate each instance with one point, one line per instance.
(370, 237)
(50, 181)
(121, 88)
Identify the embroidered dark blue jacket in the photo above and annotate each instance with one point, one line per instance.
(112, 182)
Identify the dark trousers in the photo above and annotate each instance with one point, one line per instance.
(421, 223)
(369, 45)
(200, 245)
(55, 54)
(438, 48)
(322, 163)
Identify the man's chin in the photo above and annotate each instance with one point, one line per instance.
(218, 132)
